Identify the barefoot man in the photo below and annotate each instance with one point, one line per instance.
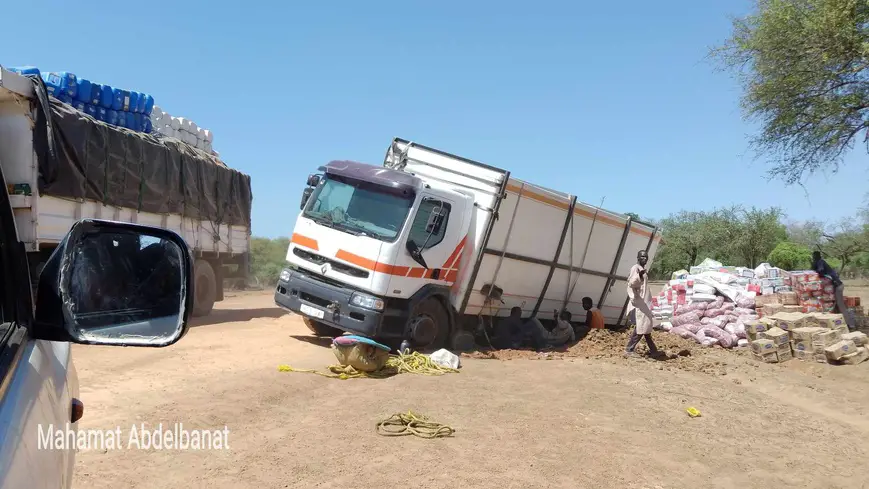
(640, 296)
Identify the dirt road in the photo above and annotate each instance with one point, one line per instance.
(597, 422)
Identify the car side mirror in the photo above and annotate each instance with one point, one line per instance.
(313, 180)
(113, 283)
(415, 253)
(306, 194)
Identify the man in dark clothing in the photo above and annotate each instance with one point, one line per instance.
(508, 331)
(823, 269)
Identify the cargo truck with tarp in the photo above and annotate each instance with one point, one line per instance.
(62, 165)
(430, 245)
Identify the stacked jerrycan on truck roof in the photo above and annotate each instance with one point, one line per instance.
(131, 177)
(120, 107)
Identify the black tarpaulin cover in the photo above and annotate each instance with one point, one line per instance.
(118, 167)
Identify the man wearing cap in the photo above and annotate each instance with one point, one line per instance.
(640, 296)
(823, 269)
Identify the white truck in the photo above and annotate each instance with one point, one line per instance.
(431, 245)
(62, 166)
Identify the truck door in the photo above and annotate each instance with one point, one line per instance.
(436, 230)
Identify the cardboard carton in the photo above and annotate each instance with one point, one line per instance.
(784, 353)
(777, 335)
(838, 350)
(755, 326)
(855, 358)
(806, 356)
(805, 346)
(806, 333)
(858, 337)
(772, 309)
(842, 328)
(771, 357)
(763, 346)
(789, 320)
(789, 298)
(828, 320)
(826, 338)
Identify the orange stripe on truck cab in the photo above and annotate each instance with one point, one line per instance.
(305, 241)
(448, 273)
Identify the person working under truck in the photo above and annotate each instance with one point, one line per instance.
(640, 296)
(593, 316)
(514, 332)
(825, 270)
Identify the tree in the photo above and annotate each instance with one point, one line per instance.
(788, 255)
(268, 258)
(806, 233)
(754, 233)
(846, 243)
(804, 66)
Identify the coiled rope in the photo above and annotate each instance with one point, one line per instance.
(410, 423)
(410, 363)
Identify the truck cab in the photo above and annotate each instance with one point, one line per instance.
(377, 252)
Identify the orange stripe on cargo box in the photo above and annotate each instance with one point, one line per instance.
(368, 264)
(305, 241)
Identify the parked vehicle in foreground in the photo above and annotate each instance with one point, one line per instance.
(62, 165)
(426, 246)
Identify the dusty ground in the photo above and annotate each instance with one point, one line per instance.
(601, 421)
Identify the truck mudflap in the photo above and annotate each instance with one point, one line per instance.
(329, 302)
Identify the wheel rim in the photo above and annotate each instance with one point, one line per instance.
(423, 330)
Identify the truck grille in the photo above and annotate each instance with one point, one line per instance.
(337, 266)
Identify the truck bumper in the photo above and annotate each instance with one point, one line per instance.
(331, 300)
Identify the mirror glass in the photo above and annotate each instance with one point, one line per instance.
(306, 194)
(125, 287)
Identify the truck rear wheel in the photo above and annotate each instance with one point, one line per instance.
(204, 288)
(428, 327)
(321, 329)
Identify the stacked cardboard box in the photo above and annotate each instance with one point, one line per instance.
(818, 336)
(816, 293)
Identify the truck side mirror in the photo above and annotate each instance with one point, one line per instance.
(306, 194)
(113, 283)
(435, 220)
(416, 253)
(313, 180)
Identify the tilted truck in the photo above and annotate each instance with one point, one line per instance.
(62, 165)
(431, 245)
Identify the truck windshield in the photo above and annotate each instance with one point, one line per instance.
(358, 207)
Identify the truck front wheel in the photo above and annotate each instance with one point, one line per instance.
(204, 288)
(428, 327)
(321, 329)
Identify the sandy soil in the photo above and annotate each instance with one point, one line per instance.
(595, 420)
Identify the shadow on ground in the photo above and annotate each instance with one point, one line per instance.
(219, 316)
(323, 341)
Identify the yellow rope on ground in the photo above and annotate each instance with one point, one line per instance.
(412, 363)
(410, 423)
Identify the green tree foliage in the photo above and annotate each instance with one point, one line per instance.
(734, 236)
(268, 258)
(753, 234)
(790, 256)
(804, 65)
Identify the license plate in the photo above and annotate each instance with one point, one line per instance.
(313, 312)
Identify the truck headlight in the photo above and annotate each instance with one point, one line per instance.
(285, 275)
(367, 301)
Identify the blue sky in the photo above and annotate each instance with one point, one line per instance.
(611, 100)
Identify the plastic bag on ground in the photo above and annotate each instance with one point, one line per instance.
(446, 358)
(745, 300)
(742, 311)
(707, 298)
(719, 301)
(689, 317)
(728, 306)
(736, 329)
